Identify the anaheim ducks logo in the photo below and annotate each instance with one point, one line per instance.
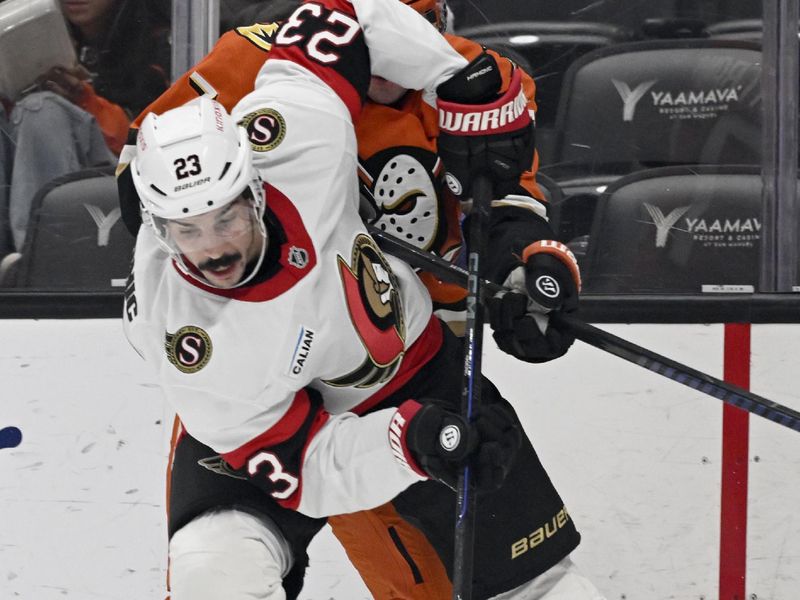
(216, 464)
(266, 129)
(402, 186)
(259, 34)
(375, 309)
(189, 348)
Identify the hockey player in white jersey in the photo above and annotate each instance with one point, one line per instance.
(265, 373)
(278, 329)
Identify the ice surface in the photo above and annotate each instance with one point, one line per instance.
(635, 456)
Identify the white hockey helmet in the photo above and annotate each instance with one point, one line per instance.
(192, 160)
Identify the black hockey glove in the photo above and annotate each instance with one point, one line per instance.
(549, 280)
(440, 442)
(525, 333)
(481, 131)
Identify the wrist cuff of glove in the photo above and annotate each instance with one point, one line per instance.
(479, 82)
(559, 251)
(398, 431)
(506, 114)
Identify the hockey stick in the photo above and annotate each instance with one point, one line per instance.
(702, 382)
(471, 387)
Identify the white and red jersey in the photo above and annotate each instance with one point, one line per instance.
(270, 374)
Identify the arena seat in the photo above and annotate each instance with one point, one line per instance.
(649, 104)
(545, 50)
(551, 191)
(675, 230)
(75, 238)
(659, 103)
(739, 29)
(8, 268)
(625, 13)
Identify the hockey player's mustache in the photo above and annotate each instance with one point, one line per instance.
(220, 263)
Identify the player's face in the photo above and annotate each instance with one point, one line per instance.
(219, 243)
(384, 91)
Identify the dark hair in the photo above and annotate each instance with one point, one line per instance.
(130, 63)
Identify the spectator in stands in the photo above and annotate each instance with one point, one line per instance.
(78, 117)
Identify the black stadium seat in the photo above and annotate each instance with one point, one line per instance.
(545, 50)
(659, 103)
(675, 230)
(626, 13)
(551, 191)
(740, 29)
(75, 239)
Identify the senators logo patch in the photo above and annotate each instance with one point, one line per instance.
(375, 309)
(189, 348)
(266, 129)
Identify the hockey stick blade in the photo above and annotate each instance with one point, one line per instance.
(603, 340)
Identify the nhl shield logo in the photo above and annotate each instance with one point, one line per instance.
(189, 348)
(298, 257)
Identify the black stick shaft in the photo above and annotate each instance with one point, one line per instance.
(471, 386)
(603, 340)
